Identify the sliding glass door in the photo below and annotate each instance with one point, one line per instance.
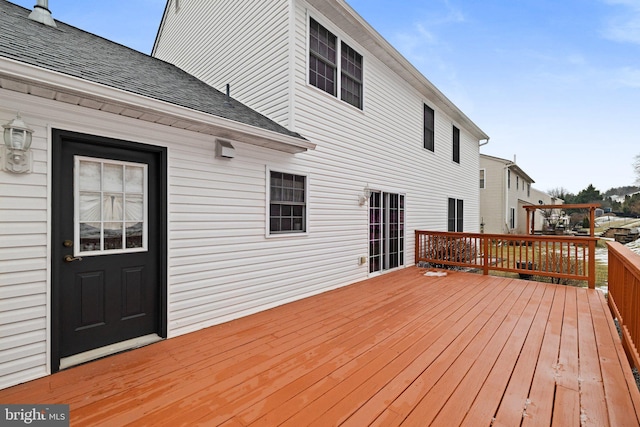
(386, 231)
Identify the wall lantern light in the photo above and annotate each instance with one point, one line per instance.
(16, 157)
(365, 196)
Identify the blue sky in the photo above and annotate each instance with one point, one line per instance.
(554, 83)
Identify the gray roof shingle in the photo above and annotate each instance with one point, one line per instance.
(77, 53)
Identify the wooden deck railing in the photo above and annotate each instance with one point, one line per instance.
(559, 257)
(624, 296)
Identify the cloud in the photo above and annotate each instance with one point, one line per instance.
(623, 26)
(628, 77)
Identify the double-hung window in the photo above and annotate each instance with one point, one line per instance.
(483, 178)
(456, 144)
(351, 73)
(287, 205)
(429, 128)
(322, 58)
(324, 67)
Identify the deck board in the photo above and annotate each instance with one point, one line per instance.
(398, 349)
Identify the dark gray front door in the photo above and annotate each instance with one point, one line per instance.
(108, 242)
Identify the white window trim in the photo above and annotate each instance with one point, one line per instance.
(267, 227)
(484, 181)
(76, 208)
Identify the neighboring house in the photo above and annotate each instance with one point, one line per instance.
(153, 205)
(504, 189)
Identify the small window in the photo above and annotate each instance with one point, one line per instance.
(287, 209)
(456, 144)
(508, 179)
(322, 58)
(512, 218)
(483, 172)
(455, 220)
(351, 73)
(429, 128)
(517, 182)
(528, 190)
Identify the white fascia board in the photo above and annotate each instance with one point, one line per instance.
(206, 123)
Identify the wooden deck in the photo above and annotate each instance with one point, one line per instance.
(399, 349)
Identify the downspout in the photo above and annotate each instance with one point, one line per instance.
(506, 195)
(486, 141)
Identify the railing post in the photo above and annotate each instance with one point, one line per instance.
(485, 257)
(592, 263)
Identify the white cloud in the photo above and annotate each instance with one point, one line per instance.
(628, 77)
(624, 26)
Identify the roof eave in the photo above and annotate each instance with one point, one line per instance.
(25, 77)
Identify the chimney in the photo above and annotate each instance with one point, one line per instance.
(42, 14)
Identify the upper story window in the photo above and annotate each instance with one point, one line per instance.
(429, 128)
(324, 67)
(508, 178)
(456, 144)
(483, 173)
(528, 190)
(517, 182)
(351, 74)
(288, 207)
(322, 58)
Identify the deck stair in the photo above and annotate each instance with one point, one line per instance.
(621, 235)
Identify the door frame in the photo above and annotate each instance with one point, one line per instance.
(57, 137)
(385, 225)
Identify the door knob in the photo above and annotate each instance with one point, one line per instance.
(69, 258)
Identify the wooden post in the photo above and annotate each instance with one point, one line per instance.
(592, 261)
(485, 258)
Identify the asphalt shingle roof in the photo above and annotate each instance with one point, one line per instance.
(77, 53)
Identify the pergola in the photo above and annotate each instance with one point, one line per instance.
(591, 206)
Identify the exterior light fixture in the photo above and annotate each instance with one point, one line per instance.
(17, 140)
(365, 196)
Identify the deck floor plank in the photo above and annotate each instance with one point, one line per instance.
(540, 402)
(487, 400)
(460, 400)
(327, 400)
(593, 407)
(399, 348)
(567, 404)
(402, 338)
(515, 398)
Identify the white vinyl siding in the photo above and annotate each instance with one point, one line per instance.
(24, 208)
(254, 63)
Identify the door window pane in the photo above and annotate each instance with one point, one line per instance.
(112, 179)
(110, 206)
(90, 176)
